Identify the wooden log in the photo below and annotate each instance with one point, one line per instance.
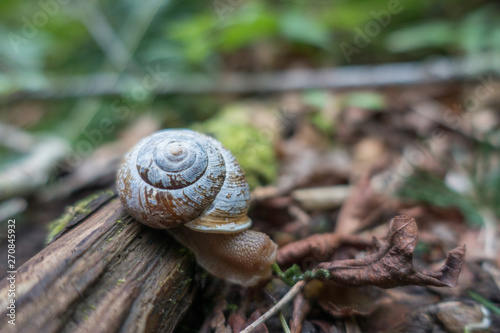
(105, 273)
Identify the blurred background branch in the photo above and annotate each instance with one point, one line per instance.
(441, 71)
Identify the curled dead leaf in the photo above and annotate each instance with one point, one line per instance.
(393, 266)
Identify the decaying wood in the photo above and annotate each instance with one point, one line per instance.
(105, 273)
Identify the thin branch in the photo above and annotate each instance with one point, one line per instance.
(347, 77)
(14, 138)
(103, 34)
(34, 168)
(272, 311)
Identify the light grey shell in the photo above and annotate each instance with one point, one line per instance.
(177, 177)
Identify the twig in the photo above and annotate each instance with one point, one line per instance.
(34, 169)
(322, 198)
(355, 76)
(287, 298)
(103, 34)
(12, 207)
(16, 139)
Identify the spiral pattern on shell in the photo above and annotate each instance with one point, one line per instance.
(177, 177)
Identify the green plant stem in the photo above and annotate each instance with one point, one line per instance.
(294, 274)
(283, 323)
(486, 303)
(277, 270)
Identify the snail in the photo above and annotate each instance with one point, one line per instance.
(188, 183)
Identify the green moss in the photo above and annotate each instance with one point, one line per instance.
(108, 192)
(82, 204)
(252, 147)
(81, 207)
(57, 225)
(120, 281)
(232, 307)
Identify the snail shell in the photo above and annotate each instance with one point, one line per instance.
(182, 177)
(187, 182)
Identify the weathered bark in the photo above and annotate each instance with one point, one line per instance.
(105, 273)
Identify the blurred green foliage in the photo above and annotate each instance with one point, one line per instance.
(366, 100)
(478, 199)
(476, 32)
(430, 189)
(46, 41)
(50, 36)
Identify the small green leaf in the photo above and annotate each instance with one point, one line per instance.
(301, 28)
(366, 100)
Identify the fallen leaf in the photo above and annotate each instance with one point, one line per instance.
(262, 328)
(301, 308)
(392, 266)
(216, 321)
(342, 301)
(316, 248)
(360, 207)
(237, 321)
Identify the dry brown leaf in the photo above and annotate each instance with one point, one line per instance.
(316, 248)
(362, 203)
(379, 321)
(324, 326)
(301, 308)
(237, 321)
(216, 321)
(253, 317)
(392, 266)
(342, 301)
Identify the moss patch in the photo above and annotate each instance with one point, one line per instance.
(81, 207)
(251, 146)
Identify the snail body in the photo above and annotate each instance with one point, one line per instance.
(190, 184)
